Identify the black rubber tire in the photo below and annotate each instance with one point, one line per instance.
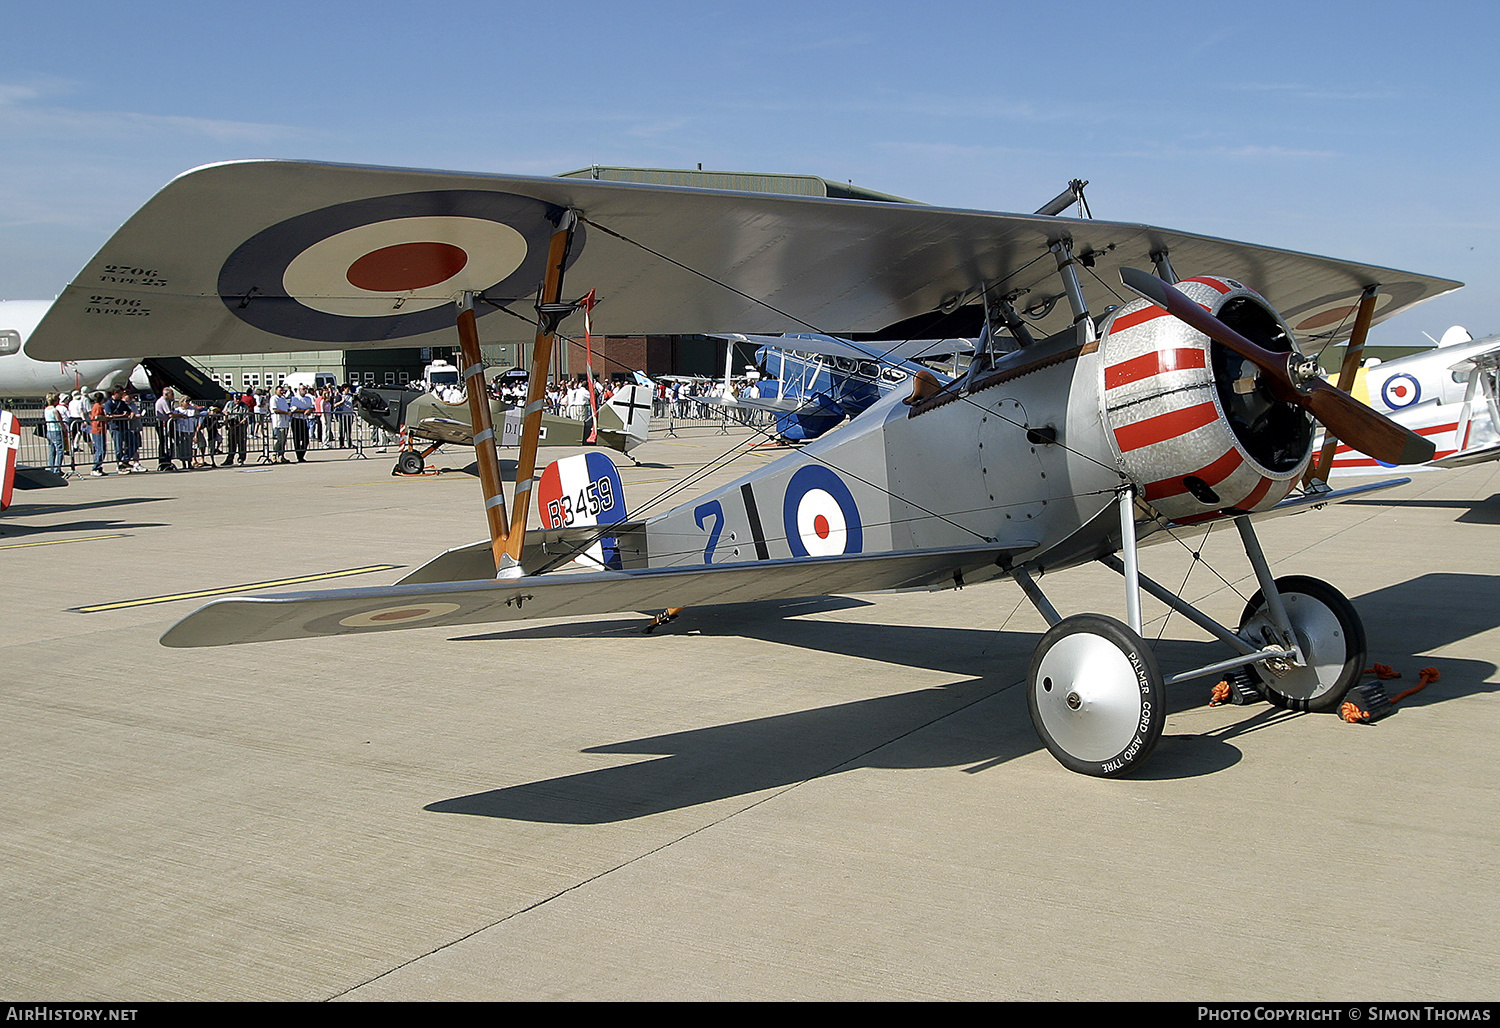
(1129, 710)
(409, 463)
(1309, 601)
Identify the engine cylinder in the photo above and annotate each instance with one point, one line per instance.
(1190, 421)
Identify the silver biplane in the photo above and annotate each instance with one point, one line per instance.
(1103, 405)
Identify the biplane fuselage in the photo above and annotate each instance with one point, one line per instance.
(904, 477)
(1026, 454)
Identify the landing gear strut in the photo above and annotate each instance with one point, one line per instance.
(1097, 697)
(1330, 635)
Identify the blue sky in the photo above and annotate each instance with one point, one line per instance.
(1360, 130)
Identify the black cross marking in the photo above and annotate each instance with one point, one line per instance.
(631, 407)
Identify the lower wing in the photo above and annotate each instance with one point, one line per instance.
(357, 611)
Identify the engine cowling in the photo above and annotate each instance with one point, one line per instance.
(1189, 420)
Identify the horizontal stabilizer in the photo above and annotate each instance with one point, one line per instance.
(357, 611)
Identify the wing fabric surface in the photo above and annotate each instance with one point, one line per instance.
(279, 256)
(356, 611)
(1470, 457)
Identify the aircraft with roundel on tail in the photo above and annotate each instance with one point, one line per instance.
(1449, 394)
(1105, 405)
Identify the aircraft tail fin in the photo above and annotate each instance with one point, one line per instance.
(627, 416)
(584, 491)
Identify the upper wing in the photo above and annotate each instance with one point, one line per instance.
(355, 611)
(277, 256)
(1486, 358)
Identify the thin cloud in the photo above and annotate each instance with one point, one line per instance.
(22, 114)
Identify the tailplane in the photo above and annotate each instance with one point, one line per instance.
(625, 421)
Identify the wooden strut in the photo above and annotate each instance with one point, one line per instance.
(1354, 352)
(485, 451)
(508, 562)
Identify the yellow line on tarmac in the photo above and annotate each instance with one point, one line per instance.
(233, 589)
(54, 542)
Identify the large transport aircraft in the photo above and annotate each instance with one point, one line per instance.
(22, 376)
(1128, 404)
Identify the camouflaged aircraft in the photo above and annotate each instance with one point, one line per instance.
(622, 423)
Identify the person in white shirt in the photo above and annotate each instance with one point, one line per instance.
(76, 411)
(302, 409)
(165, 404)
(184, 426)
(281, 423)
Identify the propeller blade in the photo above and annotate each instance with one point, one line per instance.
(1367, 430)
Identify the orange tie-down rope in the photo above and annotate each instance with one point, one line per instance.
(1349, 712)
(1354, 715)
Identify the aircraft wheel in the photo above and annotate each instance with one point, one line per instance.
(1096, 695)
(409, 463)
(1332, 638)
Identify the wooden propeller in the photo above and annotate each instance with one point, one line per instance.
(1292, 379)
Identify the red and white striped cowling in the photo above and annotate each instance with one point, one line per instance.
(1164, 417)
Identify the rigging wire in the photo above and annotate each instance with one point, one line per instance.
(739, 450)
(771, 307)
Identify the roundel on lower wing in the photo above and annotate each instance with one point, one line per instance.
(819, 514)
(389, 267)
(1400, 391)
(399, 615)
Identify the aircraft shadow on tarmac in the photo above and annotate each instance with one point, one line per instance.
(919, 729)
(1475, 512)
(10, 528)
(984, 723)
(24, 509)
(1450, 607)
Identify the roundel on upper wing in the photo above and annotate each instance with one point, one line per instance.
(390, 266)
(1400, 391)
(819, 514)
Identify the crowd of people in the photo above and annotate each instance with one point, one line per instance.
(191, 435)
(284, 422)
(682, 398)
